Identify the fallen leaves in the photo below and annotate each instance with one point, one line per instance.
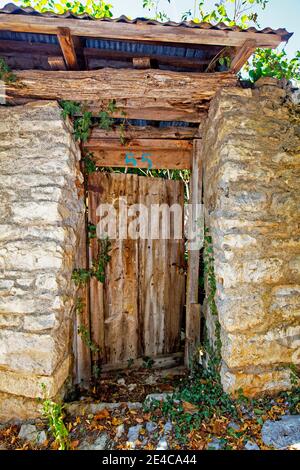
(189, 407)
(103, 414)
(116, 421)
(74, 444)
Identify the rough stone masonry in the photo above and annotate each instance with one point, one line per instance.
(41, 215)
(251, 187)
(251, 151)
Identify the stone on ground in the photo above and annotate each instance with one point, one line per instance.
(250, 445)
(120, 431)
(101, 443)
(162, 444)
(29, 432)
(282, 434)
(215, 444)
(133, 435)
(151, 427)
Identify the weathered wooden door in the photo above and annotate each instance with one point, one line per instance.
(137, 311)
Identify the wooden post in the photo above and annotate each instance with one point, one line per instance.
(67, 45)
(82, 353)
(192, 330)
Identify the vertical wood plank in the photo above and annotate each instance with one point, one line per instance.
(192, 296)
(114, 304)
(161, 276)
(96, 288)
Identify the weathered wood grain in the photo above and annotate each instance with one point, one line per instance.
(120, 84)
(242, 55)
(114, 305)
(141, 62)
(161, 273)
(159, 362)
(192, 290)
(145, 132)
(68, 48)
(172, 154)
(137, 32)
(138, 310)
(151, 94)
(82, 353)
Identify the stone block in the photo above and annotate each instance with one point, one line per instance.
(30, 352)
(40, 322)
(255, 383)
(280, 345)
(17, 407)
(31, 386)
(257, 271)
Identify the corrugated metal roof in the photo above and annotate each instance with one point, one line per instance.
(15, 10)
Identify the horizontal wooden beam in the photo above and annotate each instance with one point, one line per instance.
(20, 47)
(150, 94)
(136, 32)
(93, 55)
(146, 132)
(159, 362)
(242, 55)
(142, 153)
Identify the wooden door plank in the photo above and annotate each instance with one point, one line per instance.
(116, 301)
(97, 313)
(161, 279)
(192, 296)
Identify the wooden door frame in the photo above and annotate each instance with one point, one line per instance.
(193, 308)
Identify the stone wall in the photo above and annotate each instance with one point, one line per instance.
(41, 215)
(252, 198)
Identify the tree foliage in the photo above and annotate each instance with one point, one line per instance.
(153, 6)
(242, 13)
(269, 63)
(230, 12)
(95, 8)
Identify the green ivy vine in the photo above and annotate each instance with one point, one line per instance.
(6, 75)
(209, 272)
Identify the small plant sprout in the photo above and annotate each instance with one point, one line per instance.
(53, 412)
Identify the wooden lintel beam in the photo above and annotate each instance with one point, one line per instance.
(68, 48)
(137, 32)
(142, 94)
(146, 132)
(242, 55)
(161, 153)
